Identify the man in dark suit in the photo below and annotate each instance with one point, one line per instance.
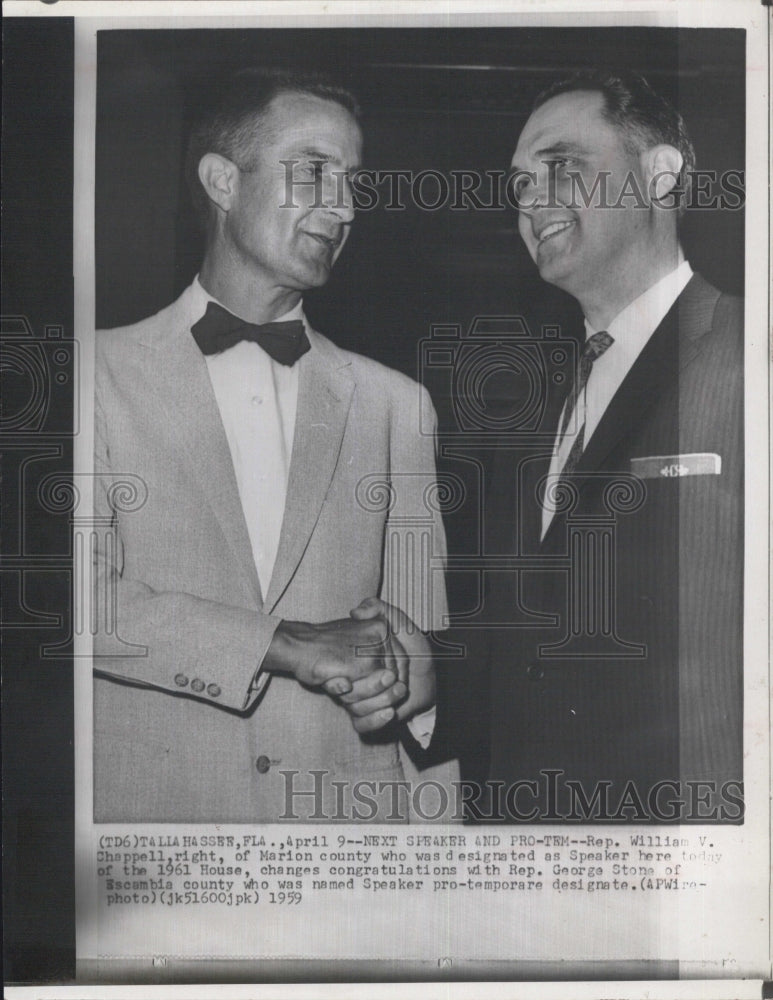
(611, 643)
(630, 687)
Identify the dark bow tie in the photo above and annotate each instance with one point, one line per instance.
(218, 330)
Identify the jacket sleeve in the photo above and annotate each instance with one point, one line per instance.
(415, 541)
(173, 641)
(711, 567)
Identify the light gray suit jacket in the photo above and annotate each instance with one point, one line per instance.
(180, 735)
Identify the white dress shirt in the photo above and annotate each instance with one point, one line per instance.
(258, 400)
(631, 329)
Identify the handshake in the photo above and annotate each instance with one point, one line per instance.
(377, 663)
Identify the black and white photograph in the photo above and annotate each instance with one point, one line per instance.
(605, 671)
(392, 491)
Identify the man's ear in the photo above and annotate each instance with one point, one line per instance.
(661, 165)
(219, 177)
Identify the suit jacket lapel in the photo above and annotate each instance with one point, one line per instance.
(654, 369)
(324, 397)
(179, 374)
(672, 346)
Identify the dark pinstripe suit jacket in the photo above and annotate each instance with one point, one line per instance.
(626, 664)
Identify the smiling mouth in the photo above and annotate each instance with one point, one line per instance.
(554, 229)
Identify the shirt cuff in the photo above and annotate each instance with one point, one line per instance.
(261, 677)
(422, 726)
(257, 684)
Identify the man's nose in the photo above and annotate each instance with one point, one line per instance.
(546, 185)
(339, 197)
(534, 191)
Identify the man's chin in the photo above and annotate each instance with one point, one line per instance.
(556, 269)
(314, 274)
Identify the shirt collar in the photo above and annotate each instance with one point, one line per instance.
(635, 324)
(201, 297)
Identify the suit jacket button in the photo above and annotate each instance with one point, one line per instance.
(180, 680)
(262, 764)
(213, 691)
(197, 685)
(535, 672)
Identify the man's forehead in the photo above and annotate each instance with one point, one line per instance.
(292, 115)
(565, 116)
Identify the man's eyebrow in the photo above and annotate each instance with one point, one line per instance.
(315, 154)
(559, 148)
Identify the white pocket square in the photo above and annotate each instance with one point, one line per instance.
(674, 466)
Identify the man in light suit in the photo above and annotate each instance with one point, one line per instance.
(283, 481)
(635, 511)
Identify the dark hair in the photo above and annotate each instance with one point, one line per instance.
(630, 103)
(233, 122)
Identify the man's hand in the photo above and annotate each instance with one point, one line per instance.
(421, 670)
(374, 701)
(338, 654)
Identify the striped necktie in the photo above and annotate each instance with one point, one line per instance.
(593, 349)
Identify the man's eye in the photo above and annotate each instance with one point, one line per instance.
(313, 169)
(519, 185)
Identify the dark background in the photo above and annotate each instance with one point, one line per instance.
(37, 707)
(440, 99)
